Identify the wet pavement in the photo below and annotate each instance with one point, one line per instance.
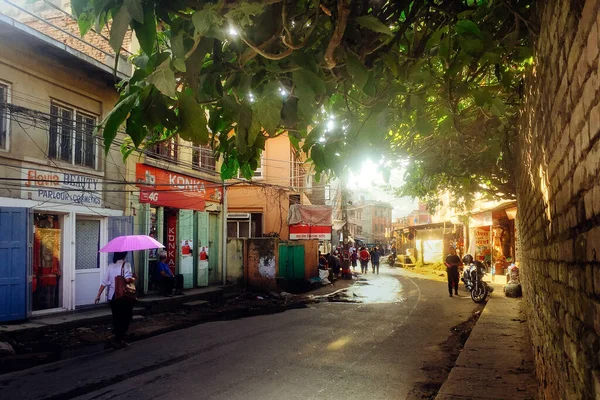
(391, 339)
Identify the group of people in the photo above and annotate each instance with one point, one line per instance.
(364, 255)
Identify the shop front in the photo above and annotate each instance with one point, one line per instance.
(184, 213)
(493, 237)
(49, 241)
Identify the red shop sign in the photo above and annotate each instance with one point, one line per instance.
(300, 231)
(167, 198)
(162, 181)
(171, 241)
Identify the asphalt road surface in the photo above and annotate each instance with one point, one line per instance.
(391, 344)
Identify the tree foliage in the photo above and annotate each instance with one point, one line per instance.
(432, 82)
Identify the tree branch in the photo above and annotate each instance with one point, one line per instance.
(338, 34)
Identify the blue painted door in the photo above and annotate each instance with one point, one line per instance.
(14, 266)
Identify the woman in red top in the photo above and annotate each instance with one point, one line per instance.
(364, 260)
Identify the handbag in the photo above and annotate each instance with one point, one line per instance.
(123, 289)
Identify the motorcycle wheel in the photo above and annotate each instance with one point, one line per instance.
(479, 293)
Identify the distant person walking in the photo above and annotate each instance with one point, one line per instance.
(364, 260)
(375, 255)
(354, 258)
(452, 263)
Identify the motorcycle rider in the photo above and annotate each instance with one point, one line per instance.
(452, 263)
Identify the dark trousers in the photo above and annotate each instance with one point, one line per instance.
(122, 313)
(364, 266)
(375, 265)
(452, 279)
(172, 282)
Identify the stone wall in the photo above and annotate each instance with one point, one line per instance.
(559, 200)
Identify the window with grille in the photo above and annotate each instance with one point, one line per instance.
(4, 120)
(71, 136)
(203, 158)
(167, 149)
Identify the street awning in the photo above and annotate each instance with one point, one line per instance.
(310, 215)
(337, 225)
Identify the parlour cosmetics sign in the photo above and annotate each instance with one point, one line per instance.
(61, 187)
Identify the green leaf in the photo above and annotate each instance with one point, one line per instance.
(177, 46)
(243, 125)
(84, 12)
(134, 7)
(115, 118)
(179, 64)
(308, 78)
(146, 31)
(242, 14)
(269, 108)
(120, 24)
(468, 28)
(357, 71)
(206, 19)
(254, 129)
(370, 87)
(192, 119)
(372, 23)
(312, 138)
(163, 79)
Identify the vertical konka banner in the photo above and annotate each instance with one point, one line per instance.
(171, 241)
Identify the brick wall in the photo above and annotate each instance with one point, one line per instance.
(92, 44)
(559, 200)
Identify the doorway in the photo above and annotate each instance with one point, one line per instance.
(46, 285)
(87, 260)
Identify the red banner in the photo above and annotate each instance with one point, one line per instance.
(172, 199)
(171, 241)
(167, 188)
(300, 231)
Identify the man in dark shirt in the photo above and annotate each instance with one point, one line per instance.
(452, 262)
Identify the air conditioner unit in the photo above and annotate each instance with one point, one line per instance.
(238, 216)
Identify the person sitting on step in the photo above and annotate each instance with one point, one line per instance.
(166, 278)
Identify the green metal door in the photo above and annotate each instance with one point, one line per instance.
(213, 249)
(291, 264)
(203, 249)
(185, 239)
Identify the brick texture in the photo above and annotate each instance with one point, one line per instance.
(559, 199)
(64, 29)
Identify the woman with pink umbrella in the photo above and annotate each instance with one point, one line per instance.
(122, 307)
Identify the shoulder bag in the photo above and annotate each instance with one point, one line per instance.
(123, 289)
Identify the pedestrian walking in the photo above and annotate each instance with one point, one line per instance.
(354, 258)
(122, 308)
(375, 255)
(452, 263)
(364, 260)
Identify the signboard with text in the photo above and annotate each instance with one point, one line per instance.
(302, 232)
(171, 189)
(61, 187)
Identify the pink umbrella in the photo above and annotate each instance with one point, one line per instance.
(130, 243)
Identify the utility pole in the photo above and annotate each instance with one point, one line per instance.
(345, 230)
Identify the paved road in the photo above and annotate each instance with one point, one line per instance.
(382, 348)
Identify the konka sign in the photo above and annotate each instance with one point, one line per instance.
(170, 189)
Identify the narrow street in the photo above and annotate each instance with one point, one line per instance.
(391, 344)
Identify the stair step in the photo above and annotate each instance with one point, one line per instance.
(195, 303)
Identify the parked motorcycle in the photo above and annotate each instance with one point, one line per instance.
(473, 274)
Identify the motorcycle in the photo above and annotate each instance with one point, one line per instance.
(391, 259)
(473, 274)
